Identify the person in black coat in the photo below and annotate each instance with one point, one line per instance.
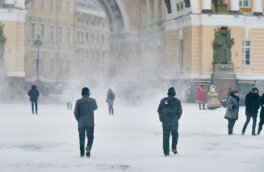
(252, 103)
(170, 111)
(261, 116)
(33, 96)
(84, 114)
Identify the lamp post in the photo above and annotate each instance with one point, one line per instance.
(38, 43)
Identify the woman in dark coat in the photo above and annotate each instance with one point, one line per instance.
(232, 110)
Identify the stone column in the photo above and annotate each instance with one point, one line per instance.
(9, 3)
(207, 6)
(257, 7)
(21, 4)
(195, 6)
(234, 6)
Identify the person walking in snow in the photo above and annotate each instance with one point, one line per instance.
(232, 110)
(252, 103)
(201, 96)
(33, 96)
(110, 101)
(261, 116)
(170, 111)
(84, 114)
(69, 97)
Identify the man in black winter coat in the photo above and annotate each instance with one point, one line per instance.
(84, 114)
(252, 103)
(34, 94)
(170, 111)
(261, 116)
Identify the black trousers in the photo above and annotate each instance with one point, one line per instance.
(261, 122)
(253, 126)
(231, 123)
(170, 129)
(69, 105)
(34, 103)
(111, 109)
(201, 104)
(90, 135)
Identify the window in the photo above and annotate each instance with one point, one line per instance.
(60, 66)
(98, 37)
(68, 66)
(247, 52)
(151, 11)
(42, 32)
(51, 66)
(244, 3)
(82, 36)
(52, 5)
(42, 4)
(143, 12)
(103, 38)
(33, 4)
(160, 9)
(60, 38)
(69, 35)
(78, 36)
(87, 36)
(69, 7)
(60, 5)
(32, 31)
(178, 7)
(52, 33)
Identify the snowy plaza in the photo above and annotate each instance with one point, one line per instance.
(131, 140)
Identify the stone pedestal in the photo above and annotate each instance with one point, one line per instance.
(223, 71)
(224, 78)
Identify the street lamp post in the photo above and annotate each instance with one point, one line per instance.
(38, 43)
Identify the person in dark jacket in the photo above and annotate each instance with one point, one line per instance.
(252, 103)
(170, 111)
(232, 110)
(261, 116)
(84, 114)
(110, 97)
(33, 96)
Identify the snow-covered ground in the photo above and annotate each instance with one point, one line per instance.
(129, 141)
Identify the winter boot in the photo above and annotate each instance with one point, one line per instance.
(166, 154)
(88, 153)
(81, 152)
(253, 134)
(174, 151)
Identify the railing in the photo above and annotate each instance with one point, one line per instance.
(247, 69)
(246, 10)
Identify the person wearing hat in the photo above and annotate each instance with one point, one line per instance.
(170, 111)
(252, 103)
(33, 96)
(84, 114)
(232, 110)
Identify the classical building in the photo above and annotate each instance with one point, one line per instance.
(190, 34)
(12, 19)
(91, 39)
(52, 21)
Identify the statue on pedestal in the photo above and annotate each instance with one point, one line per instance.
(2, 43)
(222, 46)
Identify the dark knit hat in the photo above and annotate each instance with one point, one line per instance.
(254, 89)
(171, 92)
(85, 91)
(233, 92)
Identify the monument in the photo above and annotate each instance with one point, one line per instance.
(223, 68)
(2, 43)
